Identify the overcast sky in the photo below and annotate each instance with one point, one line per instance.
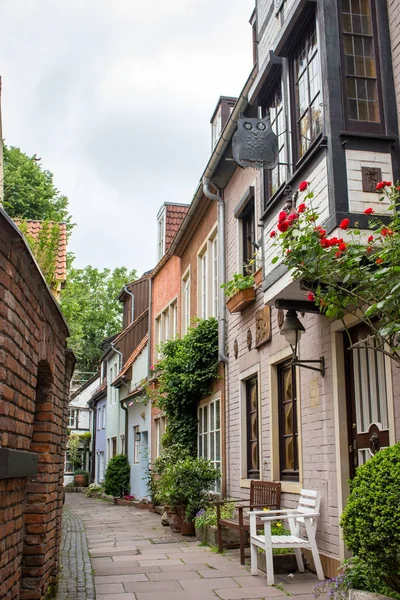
(115, 96)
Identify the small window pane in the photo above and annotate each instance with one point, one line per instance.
(353, 110)
(347, 23)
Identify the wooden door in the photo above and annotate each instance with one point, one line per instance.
(367, 401)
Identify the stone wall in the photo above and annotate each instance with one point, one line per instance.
(35, 370)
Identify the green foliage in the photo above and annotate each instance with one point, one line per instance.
(356, 274)
(277, 528)
(356, 574)
(117, 477)
(169, 455)
(82, 472)
(186, 482)
(208, 517)
(29, 191)
(44, 248)
(92, 311)
(94, 490)
(74, 450)
(188, 366)
(371, 519)
(237, 283)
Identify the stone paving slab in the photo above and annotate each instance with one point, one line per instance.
(128, 566)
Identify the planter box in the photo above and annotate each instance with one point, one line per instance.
(141, 505)
(241, 299)
(283, 563)
(122, 502)
(230, 537)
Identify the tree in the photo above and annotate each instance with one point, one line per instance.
(29, 191)
(356, 274)
(90, 306)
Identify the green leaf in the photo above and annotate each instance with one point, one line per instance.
(370, 311)
(275, 259)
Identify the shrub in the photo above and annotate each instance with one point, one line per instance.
(94, 490)
(371, 519)
(208, 517)
(117, 477)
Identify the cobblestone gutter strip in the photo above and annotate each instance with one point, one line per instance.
(76, 577)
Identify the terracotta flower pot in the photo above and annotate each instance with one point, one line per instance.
(187, 527)
(241, 299)
(81, 480)
(258, 277)
(174, 521)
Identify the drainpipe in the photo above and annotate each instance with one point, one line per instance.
(221, 268)
(120, 363)
(132, 302)
(150, 324)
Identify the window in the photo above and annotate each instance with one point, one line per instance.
(174, 317)
(214, 276)
(276, 177)
(160, 425)
(288, 434)
(68, 464)
(161, 235)
(111, 388)
(72, 418)
(136, 444)
(307, 86)
(249, 234)
(98, 414)
(113, 447)
(252, 429)
(103, 417)
(203, 286)
(360, 65)
(216, 128)
(166, 325)
(209, 434)
(186, 304)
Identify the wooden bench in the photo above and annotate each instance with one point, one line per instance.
(263, 494)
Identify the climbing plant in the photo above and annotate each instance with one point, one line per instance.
(185, 372)
(44, 246)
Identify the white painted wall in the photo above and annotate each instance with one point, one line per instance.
(359, 200)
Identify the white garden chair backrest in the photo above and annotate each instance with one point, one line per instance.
(309, 502)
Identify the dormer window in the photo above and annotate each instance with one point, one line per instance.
(216, 127)
(161, 235)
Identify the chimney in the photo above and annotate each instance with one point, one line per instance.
(220, 117)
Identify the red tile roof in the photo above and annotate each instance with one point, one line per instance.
(174, 217)
(132, 358)
(33, 228)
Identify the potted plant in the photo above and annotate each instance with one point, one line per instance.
(239, 291)
(253, 267)
(186, 485)
(206, 526)
(81, 478)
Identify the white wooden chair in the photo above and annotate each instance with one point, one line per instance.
(305, 514)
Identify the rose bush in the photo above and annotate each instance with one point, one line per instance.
(357, 273)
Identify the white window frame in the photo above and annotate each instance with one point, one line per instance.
(68, 465)
(207, 276)
(209, 434)
(186, 302)
(72, 418)
(203, 285)
(166, 325)
(214, 277)
(136, 445)
(161, 230)
(99, 417)
(160, 424)
(103, 416)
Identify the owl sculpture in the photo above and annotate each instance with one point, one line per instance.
(254, 144)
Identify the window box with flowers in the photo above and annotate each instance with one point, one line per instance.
(239, 291)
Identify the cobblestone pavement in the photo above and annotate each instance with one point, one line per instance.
(134, 558)
(76, 578)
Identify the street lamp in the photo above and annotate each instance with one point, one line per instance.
(293, 329)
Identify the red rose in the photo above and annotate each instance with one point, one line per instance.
(325, 243)
(303, 186)
(344, 224)
(398, 188)
(283, 226)
(383, 184)
(272, 234)
(292, 217)
(368, 211)
(282, 216)
(321, 232)
(390, 232)
(338, 254)
(379, 261)
(342, 246)
(384, 231)
(371, 238)
(311, 297)
(369, 249)
(288, 251)
(301, 208)
(334, 241)
(388, 183)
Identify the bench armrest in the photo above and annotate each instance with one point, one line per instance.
(294, 514)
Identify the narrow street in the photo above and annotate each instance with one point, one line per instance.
(121, 553)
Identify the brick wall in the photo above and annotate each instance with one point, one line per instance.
(394, 21)
(35, 371)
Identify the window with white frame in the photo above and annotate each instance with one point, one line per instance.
(72, 418)
(203, 285)
(99, 416)
(214, 277)
(160, 424)
(68, 464)
(209, 433)
(166, 325)
(186, 303)
(174, 317)
(161, 235)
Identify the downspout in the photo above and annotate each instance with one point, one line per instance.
(221, 268)
(125, 408)
(150, 322)
(132, 303)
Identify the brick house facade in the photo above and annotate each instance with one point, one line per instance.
(35, 371)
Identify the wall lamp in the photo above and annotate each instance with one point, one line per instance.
(292, 329)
